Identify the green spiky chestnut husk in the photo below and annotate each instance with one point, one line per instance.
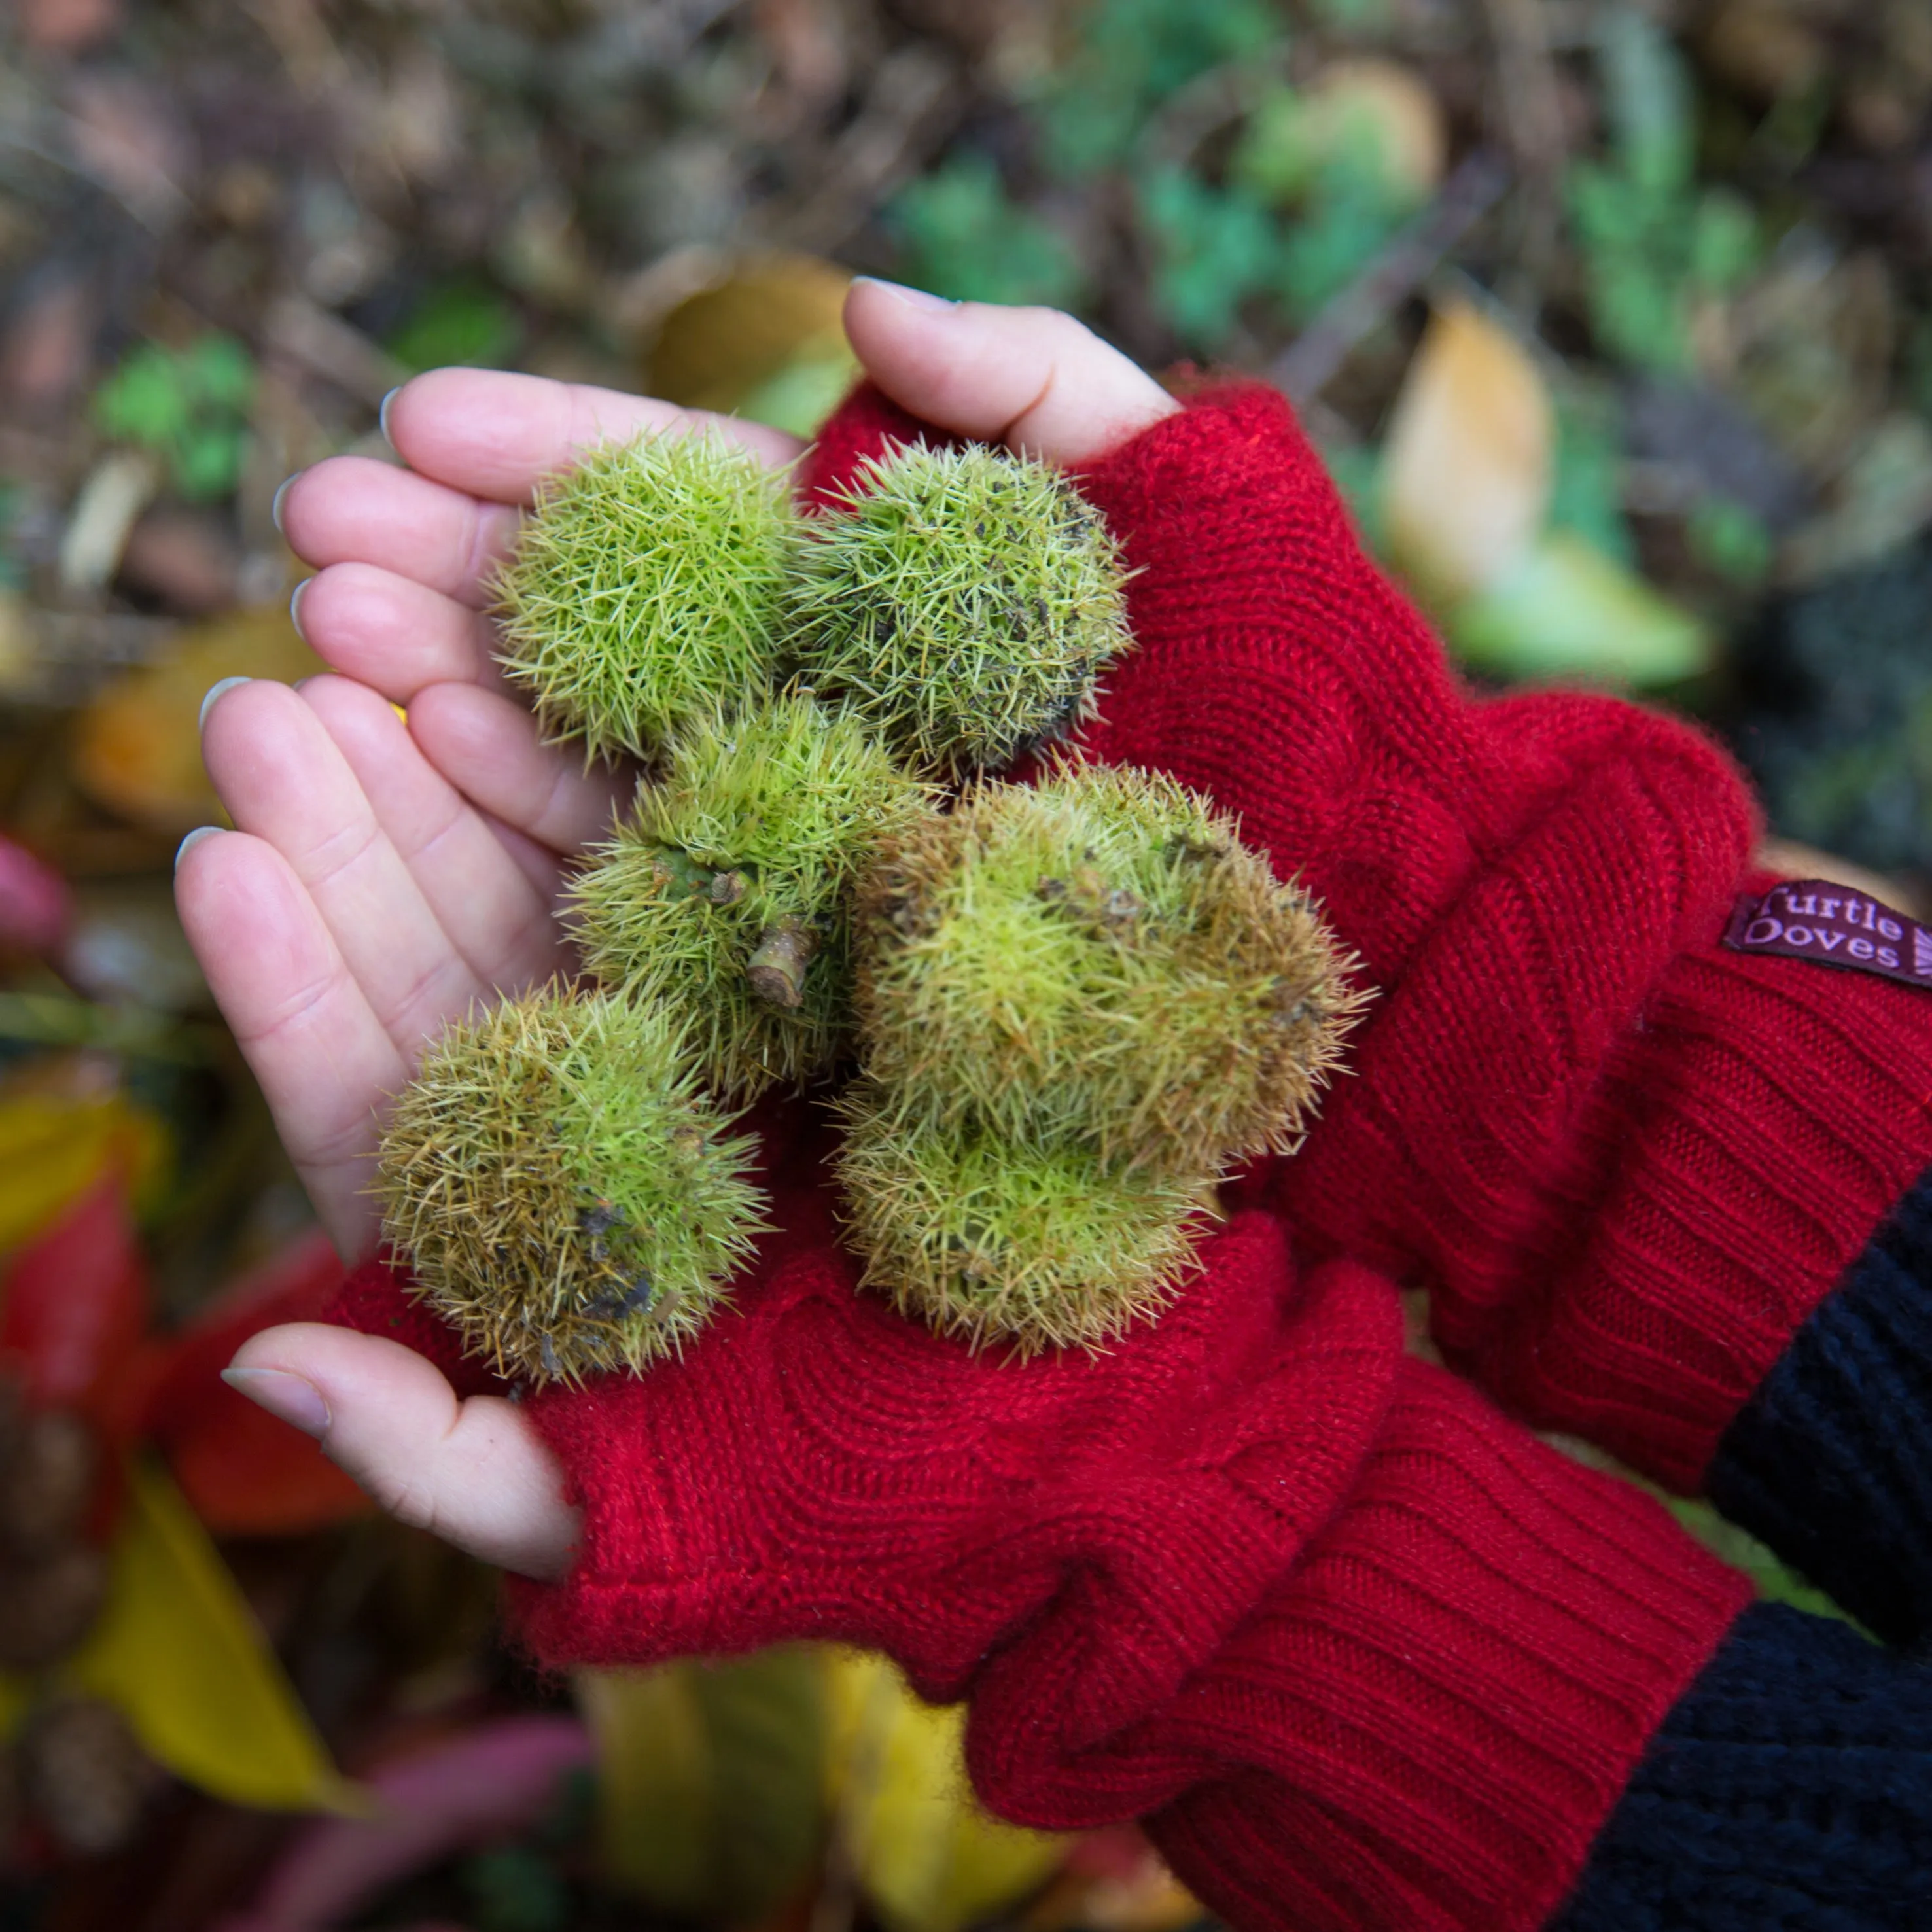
(647, 586)
(963, 601)
(1098, 959)
(725, 896)
(567, 1197)
(996, 1240)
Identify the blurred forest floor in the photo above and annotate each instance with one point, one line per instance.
(1613, 317)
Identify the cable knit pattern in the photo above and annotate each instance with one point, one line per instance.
(1627, 1163)
(1830, 1462)
(1790, 1791)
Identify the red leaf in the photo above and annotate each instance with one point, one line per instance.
(245, 1473)
(75, 1303)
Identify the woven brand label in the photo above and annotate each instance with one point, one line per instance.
(1832, 925)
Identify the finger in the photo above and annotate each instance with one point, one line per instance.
(352, 509)
(495, 915)
(282, 779)
(393, 634)
(490, 750)
(1031, 378)
(474, 1473)
(498, 436)
(324, 1060)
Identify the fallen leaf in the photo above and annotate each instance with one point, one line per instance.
(177, 1650)
(73, 1304)
(711, 1776)
(1467, 469)
(1565, 611)
(767, 315)
(243, 1472)
(498, 1778)
(926, 1856)
(138, 747)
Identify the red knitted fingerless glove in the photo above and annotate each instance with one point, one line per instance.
(1367, 1653)
(1627, 1162)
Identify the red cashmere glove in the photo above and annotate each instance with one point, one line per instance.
(1627, 1163)
(1367, 1653)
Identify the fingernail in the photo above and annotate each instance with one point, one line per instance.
(382, 414)
(298, 1402)
(214, 692)
(275, 507)
(295, 607)
(193, 839)
(912, 298)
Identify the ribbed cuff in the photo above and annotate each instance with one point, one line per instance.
(1790, 1788)
(1830, 1463)
(1428, 1722)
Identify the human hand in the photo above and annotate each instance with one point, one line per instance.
(386, 874)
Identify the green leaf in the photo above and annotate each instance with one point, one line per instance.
(463, 322)
(1568, 611)
(1586, 492)
(964, 236)
(1132, 54)
(1647, 90)
(145, 400)
(1214, 248)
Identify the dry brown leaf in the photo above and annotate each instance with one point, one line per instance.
(1466, 471)
(138, 747)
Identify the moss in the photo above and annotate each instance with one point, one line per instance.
(962, 601)
(569, 1200)
(646, 589)
(725, 894)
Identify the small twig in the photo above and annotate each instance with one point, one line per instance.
(1532, 116)
(1307, 366)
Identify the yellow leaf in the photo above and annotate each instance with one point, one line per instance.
(711, 1780)
(925, 1852)
(177, 1651)
(733, 346)
(52, 1148)
(1467, 468)
(138, 751)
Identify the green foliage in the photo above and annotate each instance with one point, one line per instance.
(463, 322)
(962, 602)
(1098, 961)
(1041, 1246)
(747, 852)
(1651, 243)
(563, 1189)
(962, 235)
(1728, 540)
(189, 406)
(1214, 248)
(1586, 491)
(1132, 54)
(515, 1888)
(647, 588)
(13, 571)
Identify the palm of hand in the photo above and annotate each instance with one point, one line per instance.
(389, 872)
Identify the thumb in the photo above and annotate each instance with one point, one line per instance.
(474, 1473)
(1032, 378)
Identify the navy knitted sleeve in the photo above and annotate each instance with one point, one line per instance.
(1788, 1790)
(1830, 1463)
